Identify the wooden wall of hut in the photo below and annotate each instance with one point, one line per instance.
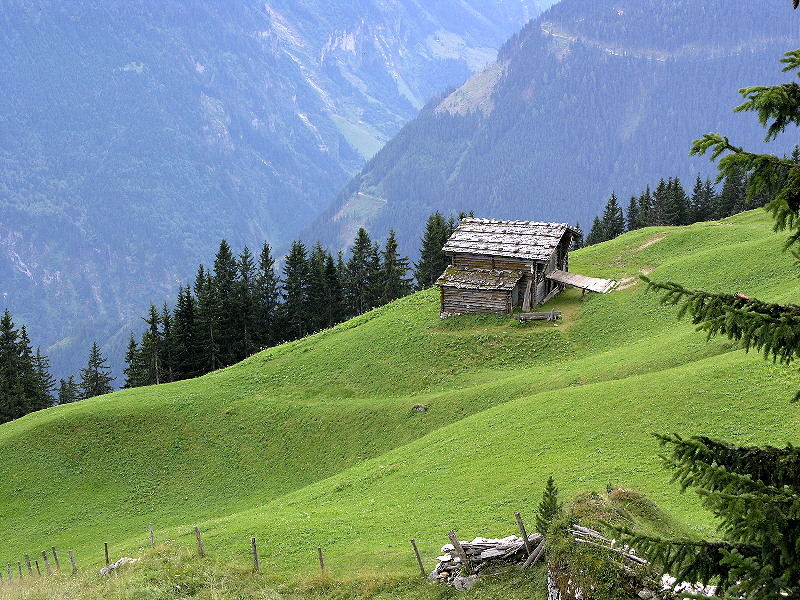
(461, 301)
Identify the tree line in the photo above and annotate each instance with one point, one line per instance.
(238, 306)
(242, 304)
(669, 204)
(26, 384)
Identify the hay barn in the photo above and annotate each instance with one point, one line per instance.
(500, 266)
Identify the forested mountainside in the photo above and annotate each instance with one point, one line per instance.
(135, 135)
(589, 98)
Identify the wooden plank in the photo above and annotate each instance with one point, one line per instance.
(459, 549)
(593, 284)
(524, 533)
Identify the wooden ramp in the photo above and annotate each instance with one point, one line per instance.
(592, 284)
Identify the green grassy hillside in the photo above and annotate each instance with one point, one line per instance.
(315, 442)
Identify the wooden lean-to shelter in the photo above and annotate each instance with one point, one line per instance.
(499, 266)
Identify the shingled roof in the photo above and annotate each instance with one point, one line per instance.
(479, 279)
(528, 240)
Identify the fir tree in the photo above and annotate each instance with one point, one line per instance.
(753, 490)
(224, 283)
(632, 216)
(646, 209)
(549, 507)
(185, 334)
(295, 292)
(134, 370)
(46, 383)
(245, 320)
(208, 316)
(96, 377)
(334, 305)
(394, 269)
(596, 233)
(433, 261)
(361, 275)
(68, 391)
(613, 220)
(266, 297)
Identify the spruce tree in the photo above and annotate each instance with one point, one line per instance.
(68, 391)
(245, 324)
(676, 207)
(266, 298)
(151, 350)
(46, 383)
(433, 261)
(754, 491)
(13, 403)
(96, 377)
(225, 275)
(646, 209)
(360, 274)
(185, 334)
(549, 508)
(394, 269)
(208, 316)
(134, 370)
(732, 197)
(295, 307)
(318, 292)
(613, 219)
(335, 299)
(632, 215)
(596, 233)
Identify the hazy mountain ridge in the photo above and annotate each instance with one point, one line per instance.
(586, 99)
(134, 136)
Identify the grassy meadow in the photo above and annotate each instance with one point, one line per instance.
(315, 443)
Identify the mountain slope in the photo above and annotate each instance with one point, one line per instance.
(134, 136)
(315, 442)
(588, 99)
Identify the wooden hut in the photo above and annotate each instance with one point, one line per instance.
(498, 266)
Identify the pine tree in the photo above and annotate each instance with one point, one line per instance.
(207, 322)
(676, 207)
(334, 304)
(613, 219)
(68, 391)
(46, 383)
(246, 327)
(632, 215)
(732, 197)
(96, 377)
(266, 297)
(187, 354)
(578, 243)
(295, 292)
(318, 292)
(753, 490)
(658, 212)
(13, 403)
(134, 371)
(151, 349)
(549, 507)
(224, 281)
(360, 274)
(394, 269)
(433, 261)
(167, 354)
(596, 233)
(646, 218)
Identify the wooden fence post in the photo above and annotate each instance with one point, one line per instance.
(55, 558)
(38, 571)
(200, 547)
(19, 566)
(46, 562)
(460, 551)
(256, 568)
(72, 561)
(28, 562)
(152, 536)
(524, 534)
(419, 558)
(9, 572)
(321, 559)
(105, 551)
